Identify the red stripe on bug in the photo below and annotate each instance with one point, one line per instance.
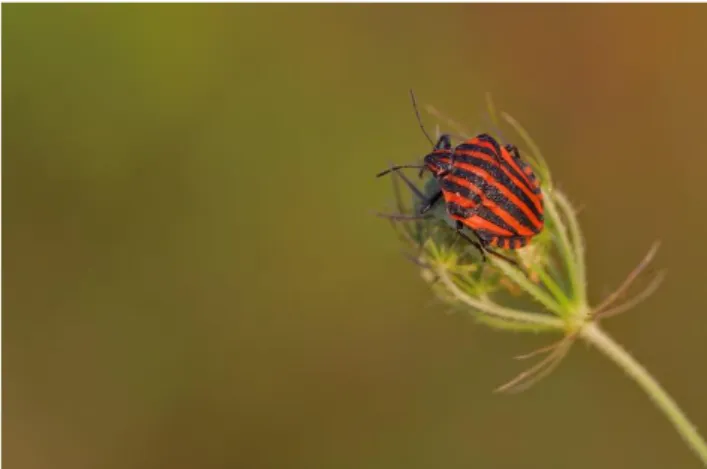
(502, 189)
(495, 208)
(489, 178)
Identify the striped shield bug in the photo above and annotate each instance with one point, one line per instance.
(486, 188)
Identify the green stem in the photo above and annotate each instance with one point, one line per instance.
(567, 253)
(593, 334)
(579, 279)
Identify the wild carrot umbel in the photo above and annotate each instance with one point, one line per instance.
(554, 279)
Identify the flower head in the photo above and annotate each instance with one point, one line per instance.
(555, 273)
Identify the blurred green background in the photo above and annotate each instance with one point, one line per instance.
(193, 277)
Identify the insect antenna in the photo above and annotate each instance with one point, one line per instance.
(395, 168)
(402, 216)
(418, 193)
(419, 119)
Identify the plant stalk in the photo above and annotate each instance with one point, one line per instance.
(594, 335)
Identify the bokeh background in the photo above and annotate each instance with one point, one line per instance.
(193, 277)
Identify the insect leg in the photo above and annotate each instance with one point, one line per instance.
(428, 204)
(476, 244)
(444, 142)
(513, 150)
(481, 245)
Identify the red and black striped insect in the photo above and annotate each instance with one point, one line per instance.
(487, 188)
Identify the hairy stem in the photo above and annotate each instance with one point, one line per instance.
(594, 335)
(494, 310)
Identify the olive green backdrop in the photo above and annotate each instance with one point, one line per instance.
(192, 276)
